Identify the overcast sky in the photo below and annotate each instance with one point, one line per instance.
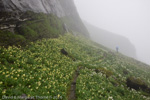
(130, 18)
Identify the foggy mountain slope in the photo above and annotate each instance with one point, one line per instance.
(59, 66)
(111, 40)
(45, 54)
(43, 18)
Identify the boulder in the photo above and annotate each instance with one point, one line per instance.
(136, 83)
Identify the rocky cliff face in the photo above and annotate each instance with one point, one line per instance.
(45, 6)
(23, 21)
(64, 9)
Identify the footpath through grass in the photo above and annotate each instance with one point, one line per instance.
(41, 71)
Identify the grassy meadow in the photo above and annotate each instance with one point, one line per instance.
(41, 71)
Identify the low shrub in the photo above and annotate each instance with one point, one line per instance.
(8, 39)
(108, 73)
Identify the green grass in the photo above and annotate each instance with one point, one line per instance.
(40, 69)
(7, 38)
(41, 26)
(37, 26)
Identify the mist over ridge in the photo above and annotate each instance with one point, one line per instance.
(111, 40)
(129, 18)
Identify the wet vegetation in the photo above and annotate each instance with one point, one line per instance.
(29, 27)
(44, 68)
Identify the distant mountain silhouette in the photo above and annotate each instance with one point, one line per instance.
(111, 40)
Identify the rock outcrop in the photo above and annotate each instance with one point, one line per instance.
(64, 9)
(45, 6)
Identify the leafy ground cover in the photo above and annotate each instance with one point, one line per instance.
(41, 70)
(34, 27)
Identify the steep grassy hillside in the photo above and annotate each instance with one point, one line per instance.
(47, 68)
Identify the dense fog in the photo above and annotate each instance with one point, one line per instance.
(129, 18)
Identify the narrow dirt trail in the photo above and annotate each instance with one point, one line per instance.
(72, 90)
